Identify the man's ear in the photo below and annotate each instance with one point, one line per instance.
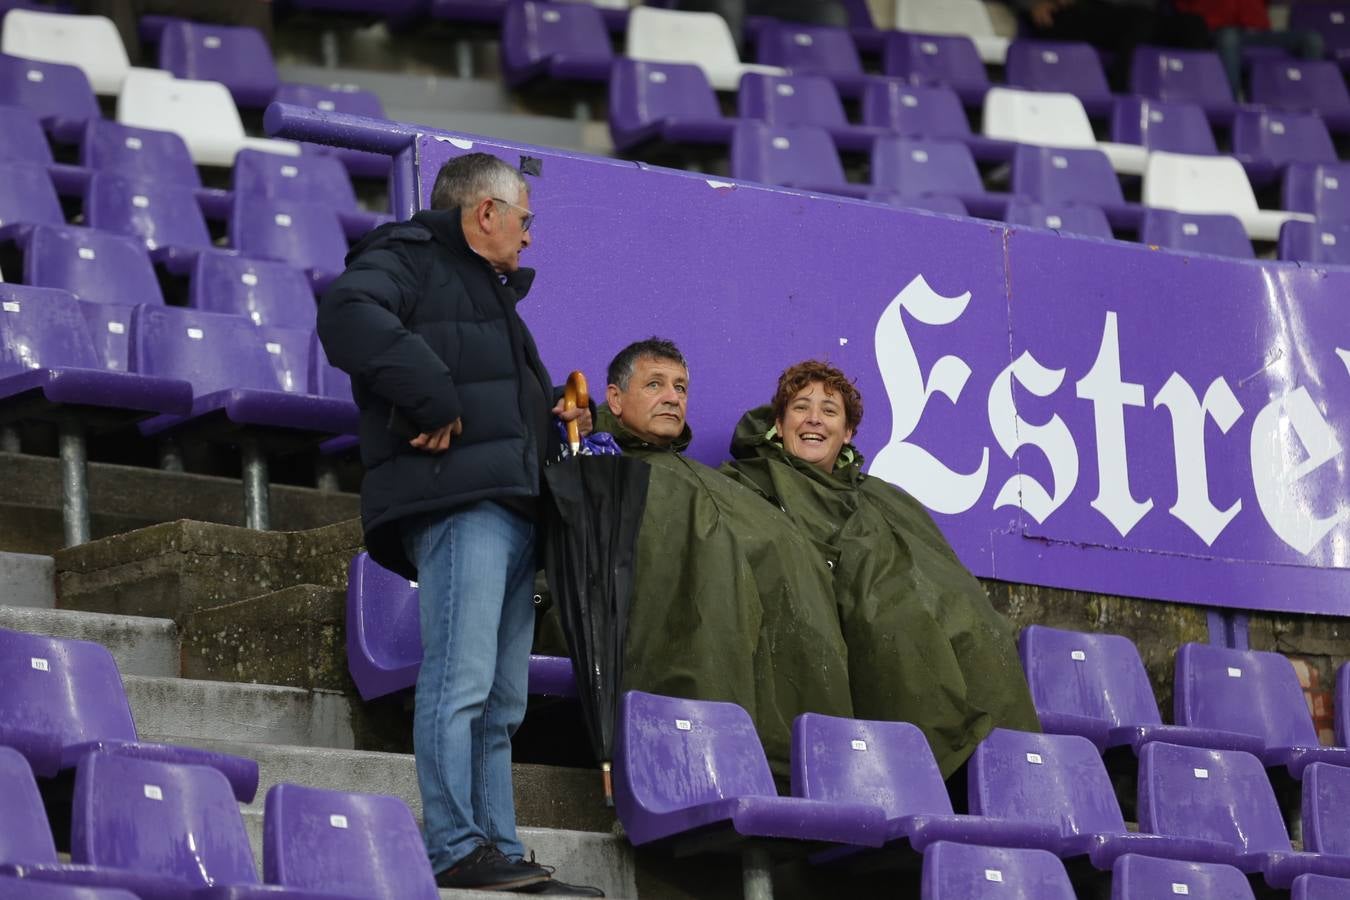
(485, 214)
(614, 397)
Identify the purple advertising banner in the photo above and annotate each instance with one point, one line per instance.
(1076, 413)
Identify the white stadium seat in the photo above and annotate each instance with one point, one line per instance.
(670, 36)
(1047, 119)
(1211, 184)
(90, 43)
(965, 17)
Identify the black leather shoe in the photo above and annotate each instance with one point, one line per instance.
(558, 888)
(488, 869)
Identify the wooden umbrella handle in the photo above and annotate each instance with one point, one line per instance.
(575, 394)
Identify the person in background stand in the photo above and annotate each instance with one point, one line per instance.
(1239, 24)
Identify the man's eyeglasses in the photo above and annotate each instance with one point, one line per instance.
(526, 221)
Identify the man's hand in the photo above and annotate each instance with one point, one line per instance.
(1043, 13)
(582, 415)
(438, 441)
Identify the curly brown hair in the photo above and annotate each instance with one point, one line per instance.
(796, 378)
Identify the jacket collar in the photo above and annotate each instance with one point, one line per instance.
(445, 228)
(605, 420)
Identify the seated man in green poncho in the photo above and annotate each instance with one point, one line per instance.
(731, 601)
(924, 643)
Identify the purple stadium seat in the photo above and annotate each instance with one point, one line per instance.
(669, 102)
(1315, 85)
(1219, 234)
(92, 265)
(384, 636)
(306, 235)
(781, 100)
(1253, 692)
(36, 890)
(683, 766)
(1316, 242)
(1060, 779)
(915, 168)
(163, 215)
(797, 156)
(963, 872)
(1224, 796)
(1070, 218)
(1330, 20)
(1057, 175)
(557, 41)
(1320, 189)
(366, 845)
(931, 111)
(1190, 76)
(1136, 877)
(268, 293)
(110, 146)
(812, 50)
(110, 331)
(1174, 126)
(63, 698)
(1062, 66)
(1326, 797)
(59, 95)
(22, 139)
(891, 765)
(344, 99)
(237, 57)
(27, 198)
(1318, 887)
(326, 379)
(1265, 142)
(944, 59)
(308, 178)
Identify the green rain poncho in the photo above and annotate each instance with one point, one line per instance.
(924, 643)
(731, 601)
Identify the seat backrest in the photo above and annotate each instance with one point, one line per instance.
(344, 98)
(362, 844)
(384, 632)
(309, 178)
(267, 292)
(1315, 242)
(32, 889)
(1198, 184)
(1214, 795)
(176, 820)
(65, 689)
(671, 754)
(964, 17)
(1251, 691)
(966, 872)
(1058, 779)
(668, 35)
(790, 100)
(933, 59)
(1064, 66)
(1138, 877)
(931, 111)
(1299, 84)
(157, 212)
(49, 90)
(201, 112)
(534, 31)
(306, 235)
(92, 265)
(1065, 175)
(89, 42)
(1037, 117)
(1071, 218)
(808, 49)
(1100, 676)
(27, 195)
(1322, 189)
(109, 328)
(1174, 126)
(787, 155)
(25, 835)
(1219, 234)
(915, 166)
(1282, 137)
(214, 352)
(326, 379)
(138, 153)
(237, 57)
(42, 328)
(22, 138)
(1317, 887)
(1187, 75)
(1326, 793)
(641, 93)
(886, 764)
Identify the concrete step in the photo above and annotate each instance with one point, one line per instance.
(141, 646)
(183, 709)
(27, 579)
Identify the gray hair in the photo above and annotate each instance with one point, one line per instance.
(621, 367)
(466, 180)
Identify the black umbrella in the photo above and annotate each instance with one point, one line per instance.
(590, 551)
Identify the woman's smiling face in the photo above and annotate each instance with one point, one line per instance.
(813, 426)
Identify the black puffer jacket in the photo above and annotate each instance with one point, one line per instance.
(429, 333)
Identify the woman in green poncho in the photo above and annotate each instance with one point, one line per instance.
(924, 643)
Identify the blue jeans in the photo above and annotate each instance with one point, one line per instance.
(475, 574)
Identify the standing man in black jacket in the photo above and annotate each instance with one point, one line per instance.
(455, 424)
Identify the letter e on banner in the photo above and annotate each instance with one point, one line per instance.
(1290, 441)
